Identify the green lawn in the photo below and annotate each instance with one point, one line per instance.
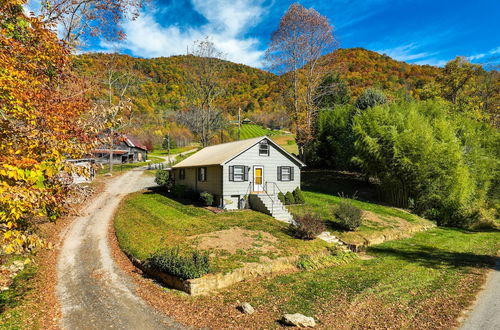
(379, 221)
(148, 221)
(249, 131)
(163, 152)
(13, 314)
(420, 282)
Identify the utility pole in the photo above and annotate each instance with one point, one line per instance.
(168, 150)
(239, 122)
(111, 146)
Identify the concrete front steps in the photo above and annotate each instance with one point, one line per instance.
(270, 204)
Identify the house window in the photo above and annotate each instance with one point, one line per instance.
(238, 173)
(264, 148)
(285, 173)
(202, 174)
(182, 174)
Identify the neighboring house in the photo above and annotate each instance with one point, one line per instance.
(255, 169)
(125, 150)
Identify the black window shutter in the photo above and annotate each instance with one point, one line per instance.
(279, 173)
(291, 173)
(231, 173)
(246, 169)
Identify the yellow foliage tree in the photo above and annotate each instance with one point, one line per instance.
(41, 125)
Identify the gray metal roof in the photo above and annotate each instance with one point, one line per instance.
(222, 153)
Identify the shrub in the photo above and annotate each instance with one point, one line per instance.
(192, 265)
(446, 162)
(298, 195)
(289, 200)
(307, 226)
(206, 198)
(162, 177)
(348, 216)
(370, 97)
(281, 197)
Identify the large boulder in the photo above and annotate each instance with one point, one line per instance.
(298, 320)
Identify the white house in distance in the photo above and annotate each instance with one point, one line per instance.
(256, 168)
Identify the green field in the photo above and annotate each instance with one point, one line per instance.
(249, 131)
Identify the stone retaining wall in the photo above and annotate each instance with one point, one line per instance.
(386, 235)
(212, 282)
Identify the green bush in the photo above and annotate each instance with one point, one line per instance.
(281, 197)
(206, 198)
(298, 195)
(348, 216)
(370, 97)
(191, 265)
(289, 200)
(307, 226)
(162, 177)
(445, 163)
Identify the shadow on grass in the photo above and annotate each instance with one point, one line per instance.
(435, 257)
(339, 183)
(158, 190)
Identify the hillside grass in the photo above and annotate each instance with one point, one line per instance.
(324, 190)
(379, 221)
(148, 221)
(249, 131)
(173, 151)
(420, 282)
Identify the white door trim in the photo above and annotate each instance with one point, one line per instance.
(258, 187)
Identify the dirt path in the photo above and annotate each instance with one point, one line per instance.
(486, 313)
(93, 292)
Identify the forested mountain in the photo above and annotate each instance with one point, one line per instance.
(361, 68)
(159, 86)
(161, 83)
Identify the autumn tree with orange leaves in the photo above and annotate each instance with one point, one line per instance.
(302, 37)
(45, 119)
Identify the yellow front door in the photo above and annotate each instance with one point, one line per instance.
(258, 180)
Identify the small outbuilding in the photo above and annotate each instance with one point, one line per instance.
(253, 170)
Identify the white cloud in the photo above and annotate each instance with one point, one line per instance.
(227, 22)
(432, 61)
(482, 55)
(405, 52)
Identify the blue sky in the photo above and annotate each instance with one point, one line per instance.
(423, 32)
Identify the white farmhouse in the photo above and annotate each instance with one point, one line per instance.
(255, 169)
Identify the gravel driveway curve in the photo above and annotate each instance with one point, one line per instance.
(93, 292)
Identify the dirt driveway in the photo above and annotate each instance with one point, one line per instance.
(93, 292)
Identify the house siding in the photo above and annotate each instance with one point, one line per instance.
(213, 184)
(270, 164)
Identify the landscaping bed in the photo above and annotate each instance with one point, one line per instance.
(379, 223)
